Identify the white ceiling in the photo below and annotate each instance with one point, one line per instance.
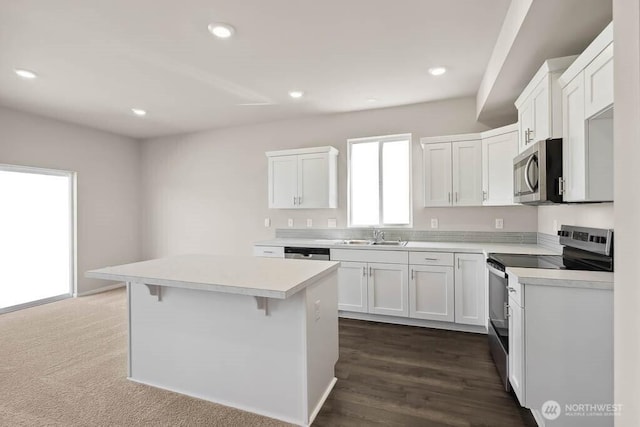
(97, 59)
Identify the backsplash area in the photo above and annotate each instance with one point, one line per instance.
(413, 235)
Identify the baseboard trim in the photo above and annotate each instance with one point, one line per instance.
(324, 397)
(413, 322)
(100, 290)
(34, 303)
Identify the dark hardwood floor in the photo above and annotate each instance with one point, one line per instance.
(409, 376)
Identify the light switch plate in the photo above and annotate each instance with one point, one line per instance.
(434, 222)
(290, 222)
(309, 222)
(499, 223)
(267, 222)
(332, 223)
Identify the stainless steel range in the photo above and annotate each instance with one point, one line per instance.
(583, 249)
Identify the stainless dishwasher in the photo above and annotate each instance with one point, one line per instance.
(318, 254)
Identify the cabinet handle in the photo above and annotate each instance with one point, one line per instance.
(449, 196)
(510, 289)
(431, 259)
(484, 195)
(364, 271)
(268, 252)
(369, 271)
(561, 185)
(412, 274)
(294, 200)
(506, 311)
(456, 197)
(299, 200)
(458, 263)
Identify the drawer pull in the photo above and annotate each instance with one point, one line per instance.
(268, 252)
(431, 259)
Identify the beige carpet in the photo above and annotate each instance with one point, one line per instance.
(64, 364)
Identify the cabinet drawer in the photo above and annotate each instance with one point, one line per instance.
(269, 251)
(369, 255)
(431, 258)
(515, 290)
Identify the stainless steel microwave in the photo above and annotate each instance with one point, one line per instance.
(537, 172)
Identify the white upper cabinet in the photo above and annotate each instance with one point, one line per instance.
(539, 105)
(303, 178)
(587, 112)
(499, 147)
(598, 77)
(467, 173)
(452, 171)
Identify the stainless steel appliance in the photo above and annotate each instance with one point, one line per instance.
(583, 249)
(307, 253)
(537, 173)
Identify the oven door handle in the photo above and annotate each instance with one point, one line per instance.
(497, 272)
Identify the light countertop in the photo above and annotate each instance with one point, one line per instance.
(563, 278)
(245, 275)
(466, 247)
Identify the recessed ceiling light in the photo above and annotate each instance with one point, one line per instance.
(138, 112)
(25, 74)
(296, 94)
(437, 71)
(220, 30)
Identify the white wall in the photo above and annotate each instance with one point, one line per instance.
(626, 35)
(207, 191)
(108, 177)
(598, 215)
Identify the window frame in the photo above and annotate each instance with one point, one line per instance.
(380, 140)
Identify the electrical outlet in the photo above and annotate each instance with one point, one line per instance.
(267, 222)
(309, 222)
(290, 222)
(316, 309)
(499, 223)
(332, 223)
(434, 222)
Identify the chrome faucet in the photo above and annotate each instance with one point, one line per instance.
(378, 235)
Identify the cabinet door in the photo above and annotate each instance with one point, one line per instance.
(598, 77)
(388, 289)
(573, 140)
(467, 173)
(352, 286)
(470, 289)
(540, 99)
(525, 124)
(431, 293)
(497, 169)
(516, 350)
(436, 168)
(283, 182)
(313, 180)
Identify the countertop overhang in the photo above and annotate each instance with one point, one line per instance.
(245, 275)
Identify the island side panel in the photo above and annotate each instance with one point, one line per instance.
(222, 348)
(322, 340)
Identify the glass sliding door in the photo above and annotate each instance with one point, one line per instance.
(37, 236)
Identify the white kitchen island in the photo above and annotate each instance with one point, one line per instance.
(258, 334)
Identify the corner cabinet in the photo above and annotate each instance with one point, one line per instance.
(587, 114)
(499, 147)
(303, 178)
(452, 171)
(539, 105)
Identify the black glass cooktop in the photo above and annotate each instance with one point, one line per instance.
(547, 262)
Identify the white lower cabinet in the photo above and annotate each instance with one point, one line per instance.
(470, 289)
(516, 349)
(431, 292)
(352, 287)
(388, 289)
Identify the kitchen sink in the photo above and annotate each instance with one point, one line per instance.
(389, 243)
(356, 242)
